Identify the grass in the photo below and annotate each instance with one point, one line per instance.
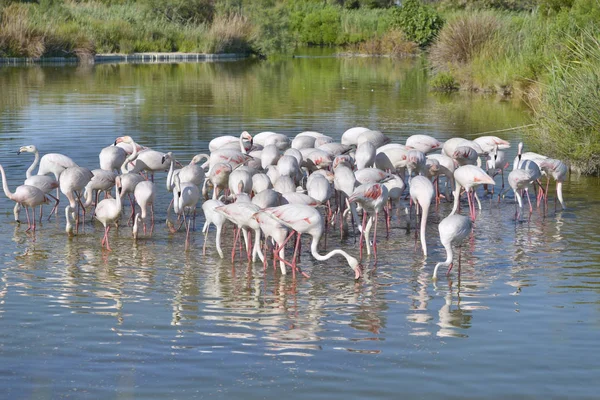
(568, 118)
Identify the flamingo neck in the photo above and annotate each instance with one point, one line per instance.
(88, 197)
(130, 158)
(449, 258)
(7, 191)
(424, 215)
(170, 176)
(313, 249)
(69, 226)
(136, 225)
(33, 165)
(559, 194)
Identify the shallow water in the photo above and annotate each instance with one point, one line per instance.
(151, 320)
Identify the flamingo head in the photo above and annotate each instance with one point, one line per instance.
(118, 185)
(167, 156)
(123, 139)
(356, 266)
(27, 149)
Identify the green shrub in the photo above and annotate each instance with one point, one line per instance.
(183, 11)
(444, 82)
(18, 36)
(272, 31)
(568, 116)
(418, 21)
(463, 38)
(321, 27)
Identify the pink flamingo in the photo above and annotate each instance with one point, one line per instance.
(558, 170)
(469, 177)
(424, 143)
(421, 192)
(215, 218)
(28, 196)
(373, 198)
(108, 212)
(454, 229)
(306, 219)
(43, 182)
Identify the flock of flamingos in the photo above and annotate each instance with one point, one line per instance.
(273, 186)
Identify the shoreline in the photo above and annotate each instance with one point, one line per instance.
(127, 58)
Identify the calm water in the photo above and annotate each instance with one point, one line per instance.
(150, 320)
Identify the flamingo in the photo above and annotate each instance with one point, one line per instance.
(306, 219)
(215, 218)
(108, 212)
(469, 177)
(558, 170)
(112, 157)
(43, 182)
(241, 215)
(192, 172)
(496, 164)
(303, 142)
(421, 192)
(269, 156)
(72, 181)
(465, 155)
(335, 149)
(185, 198)
(28, 196)
(350, 136)
(424, 143)
(145, 194)
(377, 138)
(278, 139)
(372, 197)
(415, 162)
(446, 168)
(454, 229)
(365, 155)
(522, 179)
(244, 142)
(261, 182)
(487, 143)
(150, 161)
(271, 228)
(267, 198)
(102, 181)
(218, 176)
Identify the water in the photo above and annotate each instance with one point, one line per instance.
(150, 320)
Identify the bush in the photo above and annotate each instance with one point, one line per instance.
(18, 38)
(272, 31)
(321, 27)
(229, 34)
(444, 82)
(393, 43)
(419, 22)
(184, 11)
(568, 116)
(462, 38)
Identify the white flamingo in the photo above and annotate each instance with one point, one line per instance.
(422, 193)
(27, 196)
(453, 229)
(306, 219)
(215, 218)
(108, 212)
(145, 194)
(43, 182)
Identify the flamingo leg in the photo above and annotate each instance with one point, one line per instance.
(362, 234)
(28, 222)
(375, 237)
(235, 235)
(107, 244)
